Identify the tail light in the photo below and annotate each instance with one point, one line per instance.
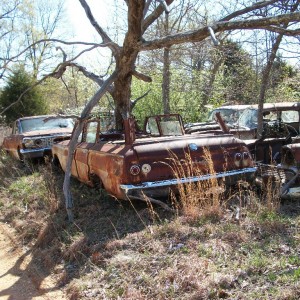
(237, 159)
(135, 170)
(242, 159)
(246, 159)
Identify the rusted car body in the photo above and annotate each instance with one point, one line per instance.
(284, 177)
(281, 127)
(33, 137)
(277, 152)
(155, 160)
(278, 119)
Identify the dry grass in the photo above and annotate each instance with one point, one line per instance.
(195, 198)
(4, 131)
(214, 247)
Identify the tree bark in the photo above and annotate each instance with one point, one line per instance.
(266, 75)
(166, 81)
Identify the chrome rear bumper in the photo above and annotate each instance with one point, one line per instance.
(230, 176)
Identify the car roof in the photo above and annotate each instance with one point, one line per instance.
(278, 106)
(235, 107)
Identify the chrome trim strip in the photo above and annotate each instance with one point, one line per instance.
(24, 151)
(164, 183)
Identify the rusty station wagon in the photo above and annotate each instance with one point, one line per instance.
(129, 164)
(33, 137)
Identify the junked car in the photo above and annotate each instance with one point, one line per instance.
(151, 162)
(277, 151)
(229, 113)
(33, 137)
(276, 117)
(281, 179)
(281, 126)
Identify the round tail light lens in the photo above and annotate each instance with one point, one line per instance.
(237, 159)
(135, 170)
(246, 157)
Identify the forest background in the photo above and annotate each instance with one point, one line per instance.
(200, 75)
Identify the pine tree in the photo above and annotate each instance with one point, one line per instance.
(31, 103)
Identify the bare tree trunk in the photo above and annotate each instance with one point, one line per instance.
(264, 84)
(84, 115)
(266, 76)
(208, 89)
(166, 81)
(166, 73)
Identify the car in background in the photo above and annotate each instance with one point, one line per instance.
(131, 164)
(32, 137)
(278, 118)
(229, 113)
(281, 127)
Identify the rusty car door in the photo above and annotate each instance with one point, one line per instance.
(89, 137)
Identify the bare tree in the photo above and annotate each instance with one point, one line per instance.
(42, 19)
(8, 16)
(24, 23)
(267, 70)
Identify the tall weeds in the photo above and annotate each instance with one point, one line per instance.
(196, 197)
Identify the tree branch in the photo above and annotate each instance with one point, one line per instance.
(141, 76)
(154, 16)
(245, 10)
(106, 39)
(95, 45)
(134, 102)
(283, 31)
(202, 33)
(72, 145)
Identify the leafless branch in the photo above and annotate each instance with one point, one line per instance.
(134, 102)
(95, 45)
(153, 16)
(147, 5)
(253, 7)
(10, 11)
(63, 52)
(164, 4)
(106, 39)
(202, 33)
(141, 76)
(283, 31)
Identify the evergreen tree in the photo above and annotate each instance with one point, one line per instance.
(31, 103)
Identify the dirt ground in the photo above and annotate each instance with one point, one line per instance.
(20, 278)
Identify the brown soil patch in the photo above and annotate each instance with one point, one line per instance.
(20, 276)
